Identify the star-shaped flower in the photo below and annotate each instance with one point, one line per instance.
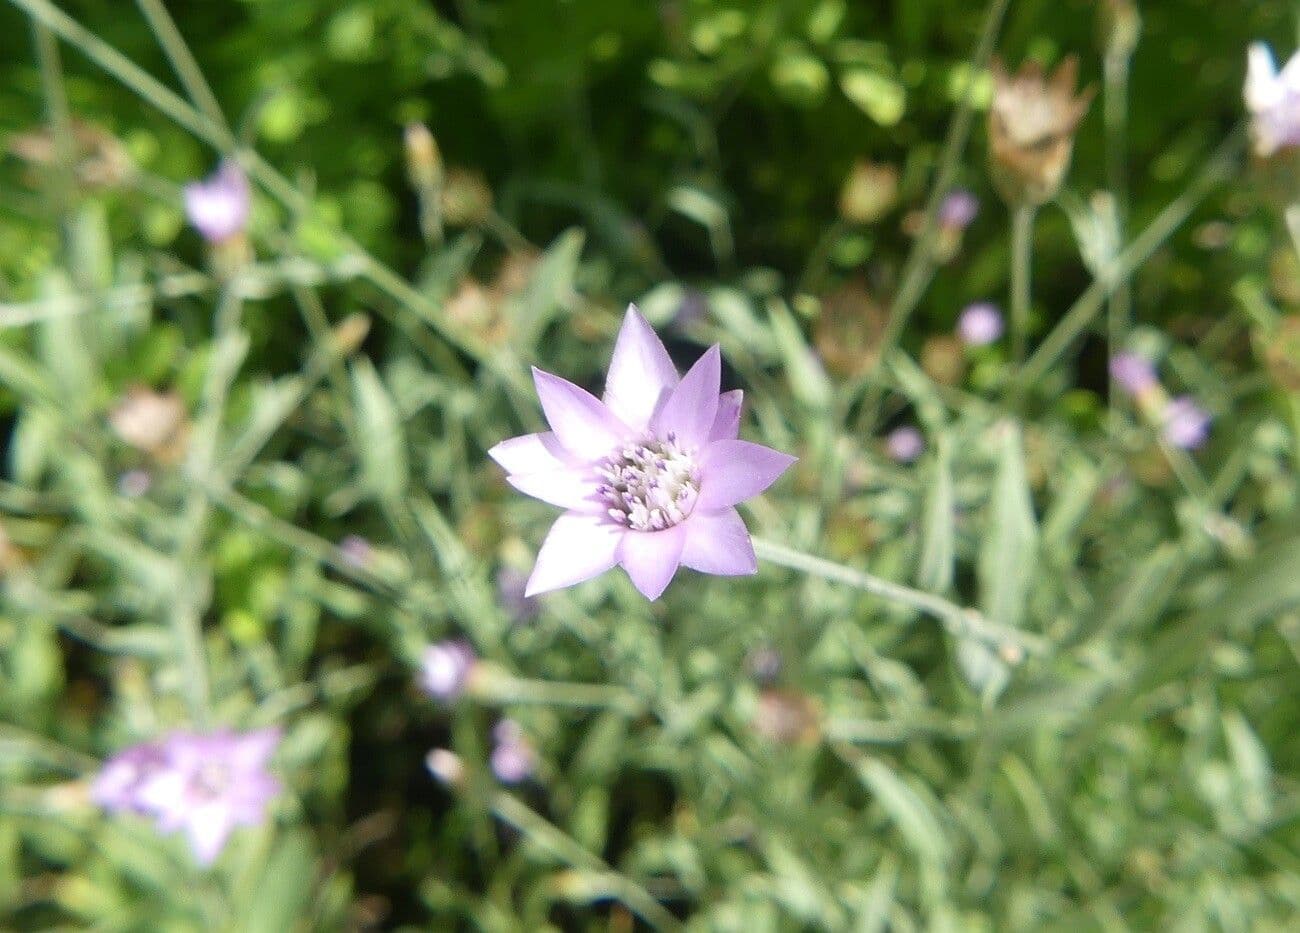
(649, 476)
(1273, 99)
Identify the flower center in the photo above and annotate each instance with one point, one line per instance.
(649, 486)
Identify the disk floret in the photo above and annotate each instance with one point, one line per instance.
(649, 485)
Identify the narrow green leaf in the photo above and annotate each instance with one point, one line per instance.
(935, 570)
(379, 442)
(1008, 559)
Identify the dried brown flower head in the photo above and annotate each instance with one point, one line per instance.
(787, 717)
(153, 422)
(848, 329)
(870, 190)
(1282, 353)
(99, 158)
(1031, 125)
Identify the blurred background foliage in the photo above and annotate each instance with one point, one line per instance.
(767, 754)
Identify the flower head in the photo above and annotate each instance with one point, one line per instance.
(203, 785)
(153, 422)
(1273, 99)
(1133, 372)
(980, 324)
(1185, 424)
(649, 475)
(905, 444)
(1031, 126)
(513, 758)
(218, 206)
(958, 210)
(445, 668)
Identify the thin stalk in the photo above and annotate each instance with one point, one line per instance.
(182, 60)
(1218, 169)
(546, 835)
(958, 620)
(1115, 88)
(919, 267)
(498, 687)
(1022, 261)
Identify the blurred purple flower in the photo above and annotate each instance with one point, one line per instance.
(980, 324)
(1273, 99)
(650, 475)
(513, 758)
(116, 787)
(134, 483)
(356, 551)
(1133, 372)
(511, 587)
(1186, 424)
(958, 209)
(218, 206)
(203, 785)
(905, 444)
(764, 663)
(445, 668)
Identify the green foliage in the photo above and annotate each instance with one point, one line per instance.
(1085, 719)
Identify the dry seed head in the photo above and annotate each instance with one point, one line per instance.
(1031, 126)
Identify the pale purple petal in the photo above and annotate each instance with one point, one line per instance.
(641, 373)
(726, 424)
(692, 407)
(531, 453)
(652, 557)
(218, 207)
(718, 543)
(567, 488)
(733, 471)
(207, 830)
(581, 422)
(958, 209)
(252, 751)
(578, 547)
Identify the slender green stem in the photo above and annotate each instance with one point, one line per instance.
(182, 60)
(1083, 312)
(499, 687)
(543, 833)
(958, 620)
(1115, 80)
(920, 265)
(1022, 261)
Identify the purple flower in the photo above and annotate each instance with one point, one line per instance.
(1186, 424)
(958, 209)
(204, 785)
(980, 324)
(1133, 372)
(513, 758)
(1273, 99)
(356, 551)
(649, 476)
(218, 207)
(445, 668)
(117, 786)
(134, 483)
(511, 586)
(905, 444)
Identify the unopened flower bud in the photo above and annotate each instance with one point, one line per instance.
(446, 766)
(423, 159)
